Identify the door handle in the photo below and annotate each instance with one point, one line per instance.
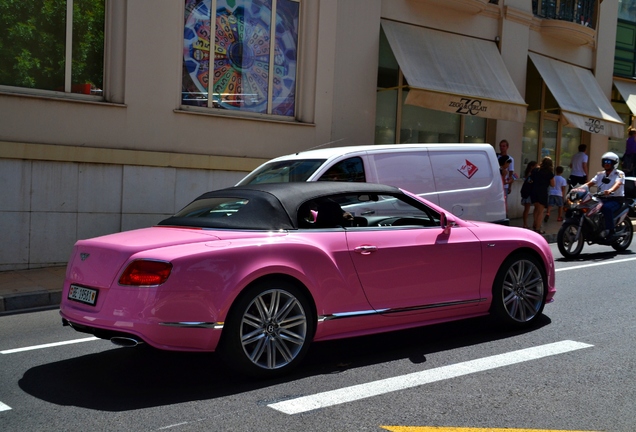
(365, 250)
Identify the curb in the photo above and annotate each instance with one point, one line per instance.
(32, 300)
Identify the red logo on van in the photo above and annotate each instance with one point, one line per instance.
(468, 169)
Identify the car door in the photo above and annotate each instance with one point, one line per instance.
(410, 266)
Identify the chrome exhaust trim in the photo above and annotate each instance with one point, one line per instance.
(123, 341)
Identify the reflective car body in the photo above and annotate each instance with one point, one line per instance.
(395, 261)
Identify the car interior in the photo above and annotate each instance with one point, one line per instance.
(341, 212)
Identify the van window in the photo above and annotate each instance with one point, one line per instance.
(295, 170)
(407, 170)
(350, 170)
(462, 170)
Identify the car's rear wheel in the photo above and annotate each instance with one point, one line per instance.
(519, 290)
(269, 329)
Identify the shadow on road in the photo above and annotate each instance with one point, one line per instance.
(596, 256)
(123, 379)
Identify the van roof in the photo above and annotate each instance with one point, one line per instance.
(327, 153)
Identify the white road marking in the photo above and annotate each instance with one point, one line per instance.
(35, 347)
(595, 264)
(375, 388)
(4, 407)
(173, 425)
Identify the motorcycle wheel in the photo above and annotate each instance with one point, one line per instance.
(569, 246)
(624, 232)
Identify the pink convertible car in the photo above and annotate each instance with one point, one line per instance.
(259, 272)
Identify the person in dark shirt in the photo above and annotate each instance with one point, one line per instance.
(527, 201)
(542, 179)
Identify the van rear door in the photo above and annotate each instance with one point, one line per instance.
(406, 169)
(468, 184)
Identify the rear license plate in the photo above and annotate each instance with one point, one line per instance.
(82, 295)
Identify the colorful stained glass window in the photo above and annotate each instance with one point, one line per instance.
(236, 56)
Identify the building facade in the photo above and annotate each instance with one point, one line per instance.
(624, 92)
(121, 112)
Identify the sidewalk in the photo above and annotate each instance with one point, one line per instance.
(42, 288)
(30, 289)
(551, 227)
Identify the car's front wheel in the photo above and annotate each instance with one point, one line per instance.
(269, 329)
(519, 290)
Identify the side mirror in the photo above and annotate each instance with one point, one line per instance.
(443, 221)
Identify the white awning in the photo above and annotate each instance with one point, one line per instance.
(580, 97)
(628, 91)
(453, 73)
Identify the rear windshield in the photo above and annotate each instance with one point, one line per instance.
(212, 208)
(284, 171)
(250, 210)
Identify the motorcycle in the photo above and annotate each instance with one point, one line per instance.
(584, 222)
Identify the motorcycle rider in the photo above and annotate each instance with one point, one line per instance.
(610, 181)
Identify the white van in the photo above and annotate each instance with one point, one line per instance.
(461, 178)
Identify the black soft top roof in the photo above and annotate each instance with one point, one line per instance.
(271, 206)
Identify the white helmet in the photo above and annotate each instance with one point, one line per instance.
(611, 157)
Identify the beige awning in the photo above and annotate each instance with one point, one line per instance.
(580, 97)
(628, 91)
(453, 73)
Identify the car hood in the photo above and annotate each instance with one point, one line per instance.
(98, 261)
(488, 231)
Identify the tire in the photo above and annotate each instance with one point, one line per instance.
(625, 232)
(569, 247)
(269, 330)
(519, 291)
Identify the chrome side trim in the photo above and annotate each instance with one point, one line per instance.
(194, 324)
(339, 315)
(387, 311)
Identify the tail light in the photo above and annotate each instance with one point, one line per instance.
(146, 273)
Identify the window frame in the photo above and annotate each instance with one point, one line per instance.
(240, 113)
(67, 93)
(387, 208)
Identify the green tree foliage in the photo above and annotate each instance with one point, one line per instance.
(32, 43)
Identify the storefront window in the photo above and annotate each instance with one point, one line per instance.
(530, 139)
(251, 64)
(549, 139)
(402, 123)
(474, 129)
(570, 141)
(385, 117)
(422, 125)
(35, 40)
(387, 97)
(544, 133)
